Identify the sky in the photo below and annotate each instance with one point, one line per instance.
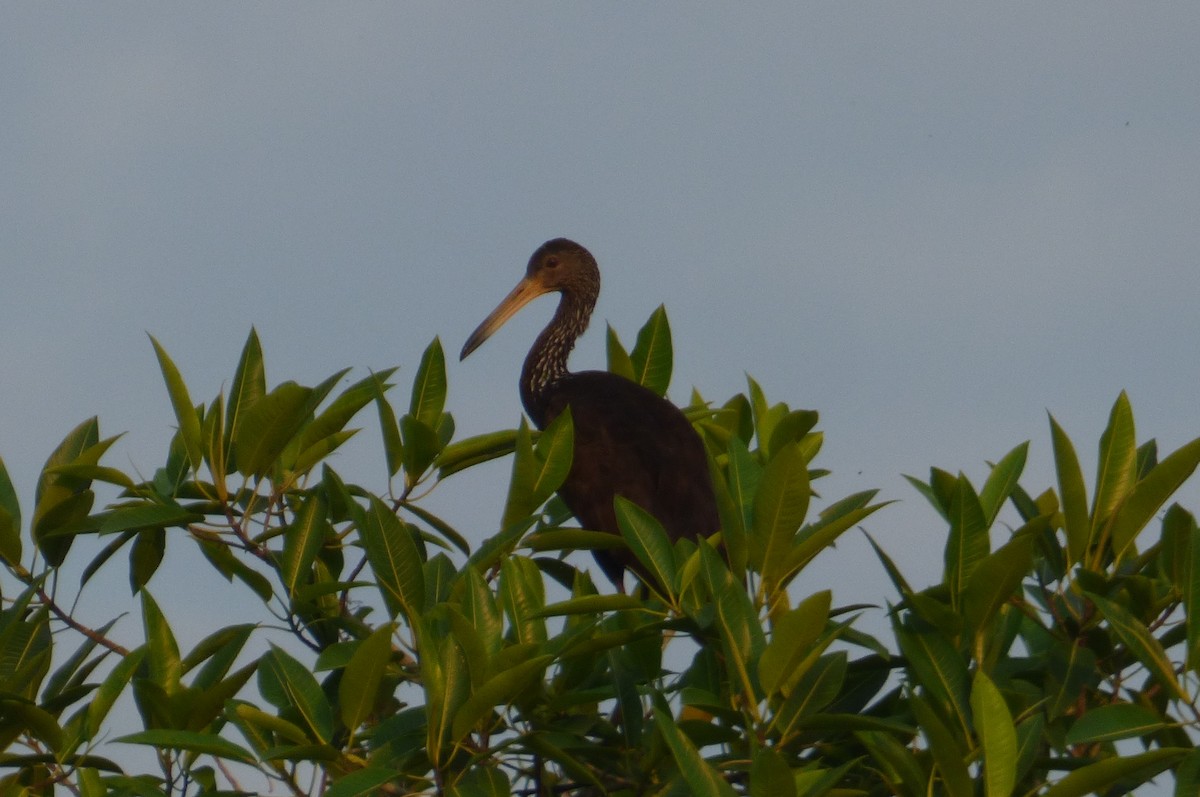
(934, 223)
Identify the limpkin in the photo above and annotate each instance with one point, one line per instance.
(629, 441)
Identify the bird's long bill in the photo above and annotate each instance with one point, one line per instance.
(525, 292)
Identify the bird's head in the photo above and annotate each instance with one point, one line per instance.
(558, 266)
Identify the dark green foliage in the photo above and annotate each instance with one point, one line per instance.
(1065, 628)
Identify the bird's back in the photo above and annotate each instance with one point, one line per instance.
(631, 442)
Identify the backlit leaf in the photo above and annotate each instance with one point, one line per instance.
(997, 736)
(185, 410)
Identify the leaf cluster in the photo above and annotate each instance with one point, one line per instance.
(1057, 655)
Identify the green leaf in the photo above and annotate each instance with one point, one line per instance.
(701, 778)
(1112, 722)
(1073, 494)
(10, 520)
(429, 386)
(62, 501)
(538, 472)
(968, 543)
(619, 362)
(1149, 494)
(770, 775)
(219, 649)
(268, 425)
(333, 419)
(362, 782)
(395, 560)
(1187, 775)
(1001, 481)
(145, 556)
(191, 741)
(792, 428)
(649, 543)
(1189, 587)
(162, 652)
(359, 687)
(482, 781)
(816, 537)
(792, 636)
(1095, 778)
(522, 593)
(499, 690)
(145, 516)
(652, 356)
(421, 447)
(474, 450)
(393, 446)
(897, 764)
(555, 451)
(34, 721)
(88, 472)
(302, 540)
(997, 578)
(935, 664)
(591, 605)
(286, 683)
(997, 736)
(185, 410)
(479, 607)
(779, 509)
(1116, 472)
(745, 475)
(1141, 643)
(821, 684)
(945, 747)
(249, 384)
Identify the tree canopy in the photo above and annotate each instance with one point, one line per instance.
(1058, 654)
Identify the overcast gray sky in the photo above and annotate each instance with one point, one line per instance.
(930, 222)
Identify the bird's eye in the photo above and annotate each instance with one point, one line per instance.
(551, 262)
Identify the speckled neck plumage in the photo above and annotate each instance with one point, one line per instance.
(546, 362)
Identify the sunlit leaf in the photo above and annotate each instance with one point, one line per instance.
(286, 683)
(302, 539)
(652, 357)
(10, 520)
(268, 425)
(249, 384)
(1001, 481)
(997, 736)
(619, 362)
(429, 386)
(649, 543)
(1116, 471)
(779, 508)
(162, 652)
(474, 450)
(968, 543)
(1073, 494)
(185, 410)
(1141, 643)
(395, 560)
(1149, 494)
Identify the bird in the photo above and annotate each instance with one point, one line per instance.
(628, 440)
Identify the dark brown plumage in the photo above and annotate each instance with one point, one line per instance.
(628, 440)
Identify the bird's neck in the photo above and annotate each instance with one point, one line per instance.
(546, 363)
